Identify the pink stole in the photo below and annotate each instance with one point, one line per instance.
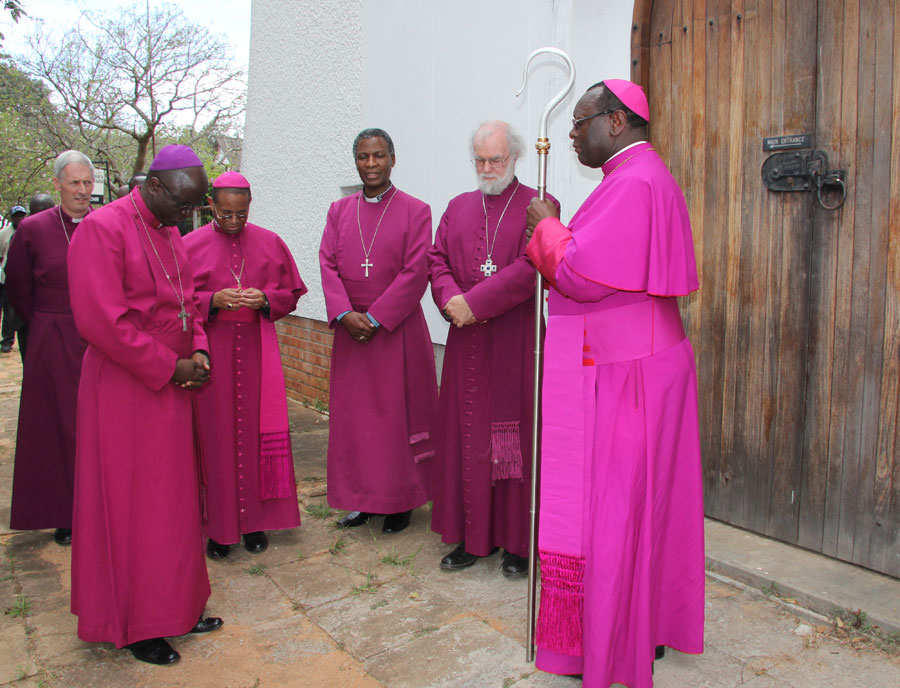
(276, 461)
(575, 345)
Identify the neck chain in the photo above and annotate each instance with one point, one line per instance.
(488, 267)
(366, 252)
(179, 293)
(626, 160)
(240, 273)
(63, 223)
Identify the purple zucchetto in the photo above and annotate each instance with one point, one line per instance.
(231, 180)
(631, 95)
(175, 156)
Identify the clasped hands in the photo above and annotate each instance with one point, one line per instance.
(191, 373)
(457, 311)
(359, 326)
(232, 299)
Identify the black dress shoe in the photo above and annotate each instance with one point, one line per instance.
(394, 523)
(63, 536)
(354, 519)
(255, 542)
(460, 558)
(154, 651)
(660, 651)
(513, 566)
(216, 551)
(210, 623)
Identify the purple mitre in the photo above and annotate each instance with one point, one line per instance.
(175, 156)
(231, 180)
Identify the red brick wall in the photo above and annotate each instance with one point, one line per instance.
(306, 358)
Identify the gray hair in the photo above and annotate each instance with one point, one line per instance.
(69, 157)
(372, 133)
(514, 140)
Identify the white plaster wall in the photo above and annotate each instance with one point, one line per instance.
(425, 71)
(304, 107)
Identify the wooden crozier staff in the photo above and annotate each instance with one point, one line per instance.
(543, 148)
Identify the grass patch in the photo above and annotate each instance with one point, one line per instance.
(392, 558)
(338, 546)
(425, 631)
(855, 627)
(369, 586)
(257, 570)
(379, 604)
(320, 511)
(20, 608)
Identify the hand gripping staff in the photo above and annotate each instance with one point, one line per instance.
(543, 148)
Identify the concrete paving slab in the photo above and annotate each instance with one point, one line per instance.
(370, 623)
(816, 582)
(15, 660)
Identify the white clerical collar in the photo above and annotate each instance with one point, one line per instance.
(636, 143)
(377, 199)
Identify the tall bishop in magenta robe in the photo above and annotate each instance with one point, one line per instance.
(621, 516)
(243, 411)
(37, 287)
(483, 482)
(383, 394)
(138, 570)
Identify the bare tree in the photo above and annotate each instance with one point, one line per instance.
(136, 78)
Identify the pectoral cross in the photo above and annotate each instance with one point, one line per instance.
(183, 316)
(367, 265)
(488, 268)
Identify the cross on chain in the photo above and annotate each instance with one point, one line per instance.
(488, 267)
(367, 265)
(183, 316)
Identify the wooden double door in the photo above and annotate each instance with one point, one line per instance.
(797, 322)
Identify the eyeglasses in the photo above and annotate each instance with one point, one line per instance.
(183, 206)
(228, 217)
(496, 161)
(576, 123)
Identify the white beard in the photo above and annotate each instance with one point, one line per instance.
(495, 187)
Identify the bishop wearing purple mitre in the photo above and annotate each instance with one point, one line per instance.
(483, 283)
(621, 521)
(38, 289)
(245, 279)
(138, 570)
(383, 384)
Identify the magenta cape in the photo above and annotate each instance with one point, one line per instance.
(246, 393)
(621, 522)
(383, 394)
(483, 473)
(38, 289)
(138, 569)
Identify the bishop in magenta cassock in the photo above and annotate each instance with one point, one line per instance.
(483, 282)
(138, 570)
(245, 279)
(383, 383)
(621, 520)
(38, 290)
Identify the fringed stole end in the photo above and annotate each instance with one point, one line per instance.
(561, 613)
(276, 466)
(506, 451)
(425, 448)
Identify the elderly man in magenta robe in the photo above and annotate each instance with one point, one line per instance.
(246, 279)
(383, 383)
(621, 522)
(138, 570)
(38, 290)
(484, 285)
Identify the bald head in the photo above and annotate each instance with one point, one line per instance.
(39, 202)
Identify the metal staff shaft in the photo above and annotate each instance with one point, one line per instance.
(543, 149)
